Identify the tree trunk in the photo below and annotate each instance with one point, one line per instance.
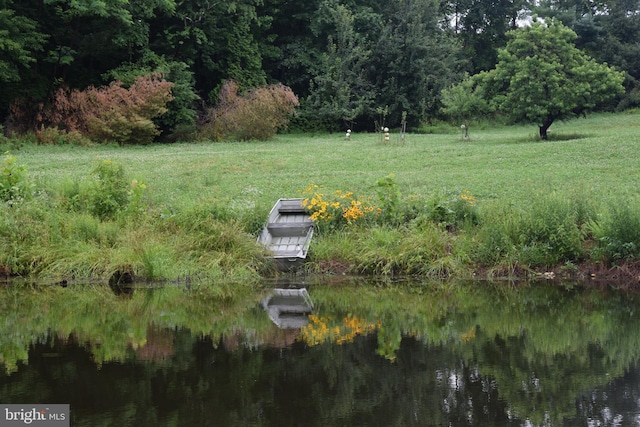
(545, 126)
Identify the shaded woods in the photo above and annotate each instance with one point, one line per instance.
(348, 63)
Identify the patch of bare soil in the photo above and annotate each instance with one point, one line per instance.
(334, 267)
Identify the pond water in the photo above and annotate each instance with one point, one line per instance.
(369, 355)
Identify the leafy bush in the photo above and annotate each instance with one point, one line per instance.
(125, 115)
(617, 234)
(110, 194)
(135, 193)
(179, 122)
(496, 239)
(14, 183)
(104, 196)
(257, 114)
(390, 199)
(339, 209)
(451, 210)
(548, 233)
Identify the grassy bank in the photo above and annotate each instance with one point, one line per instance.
(440, 206)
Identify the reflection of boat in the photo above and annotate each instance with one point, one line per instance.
(288, 233)
(288, 308)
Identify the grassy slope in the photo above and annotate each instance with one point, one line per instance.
(594, 158)
(597, 158)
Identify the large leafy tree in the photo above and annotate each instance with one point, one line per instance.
(75, 42)
(542, 77)
(414, 58)
(218, 40)
(340, 91)
(481, 27)
(609, 30)
(20, 42)
(295, 46)
(85, 38)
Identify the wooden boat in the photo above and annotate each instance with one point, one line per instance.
(288, 308)
(288, 233)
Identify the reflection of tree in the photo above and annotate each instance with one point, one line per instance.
(461, 355)
(540, 346)
(615, 403)
(111, 327)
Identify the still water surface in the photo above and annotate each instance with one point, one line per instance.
(393, 355)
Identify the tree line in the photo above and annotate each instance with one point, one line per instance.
(351, 63)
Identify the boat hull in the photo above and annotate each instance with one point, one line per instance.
(288, 234)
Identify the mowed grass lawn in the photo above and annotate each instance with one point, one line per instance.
(596, 157)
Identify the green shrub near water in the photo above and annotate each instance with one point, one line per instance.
(109, 195)
(548, 232)
(617, 232)
(14, 184)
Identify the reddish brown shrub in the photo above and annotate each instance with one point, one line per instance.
(257, 114)
(111, 113)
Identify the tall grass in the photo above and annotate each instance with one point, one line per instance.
(447, 206)
(546, 232)
(617, 232)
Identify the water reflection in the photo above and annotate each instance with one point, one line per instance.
(425, 354)
(288, 308)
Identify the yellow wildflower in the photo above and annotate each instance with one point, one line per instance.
(468, 197)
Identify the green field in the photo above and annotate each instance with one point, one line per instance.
(593, 160)
(596, 157)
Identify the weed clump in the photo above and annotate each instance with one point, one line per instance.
(109, 194)
(617, 233)
(14, 184)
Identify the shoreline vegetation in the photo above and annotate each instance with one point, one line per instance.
(502, 205)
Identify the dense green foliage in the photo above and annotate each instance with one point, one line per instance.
(541, 77)
(345, 60)
(14, 180)
(463, 103)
